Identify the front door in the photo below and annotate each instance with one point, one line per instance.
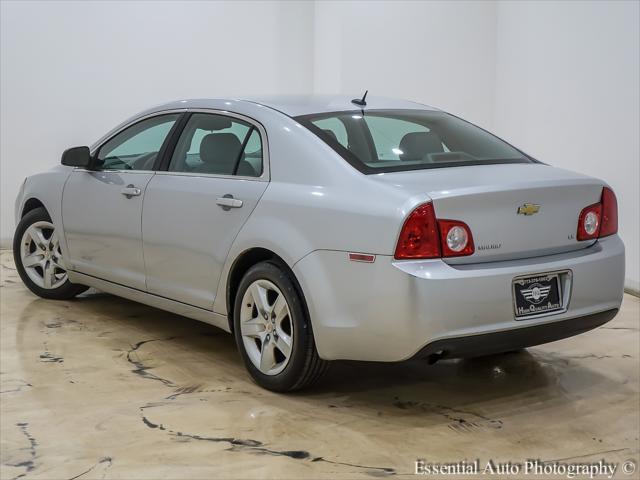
(102, 208)
(194, 210)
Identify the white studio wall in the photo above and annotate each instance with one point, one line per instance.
(559, 79)
(438, 53)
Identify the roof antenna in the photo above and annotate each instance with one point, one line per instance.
(361, 102)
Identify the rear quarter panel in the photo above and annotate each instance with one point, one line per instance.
(315, 201)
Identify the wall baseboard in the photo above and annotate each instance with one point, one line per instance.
(632, 287)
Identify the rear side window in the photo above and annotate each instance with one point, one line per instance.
(379, 141)
(218, 145)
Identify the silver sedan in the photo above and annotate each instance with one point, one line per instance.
(325, 228)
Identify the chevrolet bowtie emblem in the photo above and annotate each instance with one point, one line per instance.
(528, 209)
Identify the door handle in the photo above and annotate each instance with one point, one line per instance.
(131, 191)
(227, 202)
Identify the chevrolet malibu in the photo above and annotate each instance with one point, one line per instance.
(323, 228)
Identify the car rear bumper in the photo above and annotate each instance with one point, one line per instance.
(393, 310)
(514, 339)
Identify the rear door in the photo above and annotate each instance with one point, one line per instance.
(102, 208)
(194, 209)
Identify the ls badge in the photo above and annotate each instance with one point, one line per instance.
(528, 209)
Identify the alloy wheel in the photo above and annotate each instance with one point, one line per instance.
(41, 256)
(266, 327)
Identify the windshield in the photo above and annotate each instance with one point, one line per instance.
(396, 140)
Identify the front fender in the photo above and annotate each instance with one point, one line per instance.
(47, 188)
(19, 203)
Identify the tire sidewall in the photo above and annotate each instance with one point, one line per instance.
(291, 374)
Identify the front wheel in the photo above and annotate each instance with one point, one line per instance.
(39, 259)
(273, 332)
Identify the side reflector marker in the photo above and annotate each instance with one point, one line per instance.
(362, 257)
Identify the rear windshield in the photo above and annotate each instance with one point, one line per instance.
(379, 141)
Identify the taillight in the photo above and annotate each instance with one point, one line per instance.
(589, 222)
(455, 238)
(600, 219)
(423, 236)
(419, 235)
(609, 213)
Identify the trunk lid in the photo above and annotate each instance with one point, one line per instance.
(487, 199)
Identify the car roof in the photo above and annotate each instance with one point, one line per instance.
(294, 105)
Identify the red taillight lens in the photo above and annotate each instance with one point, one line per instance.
(600, 219)
(589, 222)
(422, 236)
(609, 213)
(419, 235)
(455, 238)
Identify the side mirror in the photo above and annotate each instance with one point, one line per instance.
(76, 157)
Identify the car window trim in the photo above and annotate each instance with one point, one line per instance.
(166, 152)
(254, 124)
(242, 148)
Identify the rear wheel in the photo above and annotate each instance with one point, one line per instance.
(273, 332)
(39, 260)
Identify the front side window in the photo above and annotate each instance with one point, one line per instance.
(136, 147)
(380, 141)
(218, 145)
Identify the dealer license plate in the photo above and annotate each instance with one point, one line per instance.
(537, 294)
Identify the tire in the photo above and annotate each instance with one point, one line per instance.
(35, 239)
(290, 326)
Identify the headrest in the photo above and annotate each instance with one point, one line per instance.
(213, 122)
(416, 145)
(220, 148)
(330, 133)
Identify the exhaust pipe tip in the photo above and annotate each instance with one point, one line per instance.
(434, 357)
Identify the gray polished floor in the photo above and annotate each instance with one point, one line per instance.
(105, 388)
